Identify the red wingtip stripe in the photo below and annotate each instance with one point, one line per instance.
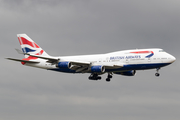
(23, 63)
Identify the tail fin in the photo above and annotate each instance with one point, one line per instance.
(29, 46)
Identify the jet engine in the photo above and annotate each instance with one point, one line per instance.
(97, 69)
(65, 65)
(126, 73)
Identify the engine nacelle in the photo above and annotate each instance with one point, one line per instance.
(127, 73)
(65, 65)
(97, 69)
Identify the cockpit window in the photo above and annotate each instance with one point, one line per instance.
(161, 51)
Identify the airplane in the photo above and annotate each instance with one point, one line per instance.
(125, 62)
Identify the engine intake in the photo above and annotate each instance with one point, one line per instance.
(97, 69)
(126, 73)
(65, 65)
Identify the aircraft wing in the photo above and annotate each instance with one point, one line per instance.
(50, 59)
(84, 66)
(79, 66)
(19, 60)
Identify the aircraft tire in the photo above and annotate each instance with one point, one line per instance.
(108, 79)
(99, 77)
(157, 74)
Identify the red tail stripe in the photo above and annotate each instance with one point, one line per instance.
(25, 41)
(40, 53)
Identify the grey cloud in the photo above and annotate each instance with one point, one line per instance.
(87, 27)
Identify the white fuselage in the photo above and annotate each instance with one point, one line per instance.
(137, 61)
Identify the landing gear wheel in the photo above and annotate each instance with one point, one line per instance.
(108, 79)
(94, 77)
(99, 77)
(157, 74)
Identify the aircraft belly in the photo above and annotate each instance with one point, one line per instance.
(63, 70)
(124, 68)
(139, 67)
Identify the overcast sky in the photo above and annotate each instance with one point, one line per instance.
(76, 27)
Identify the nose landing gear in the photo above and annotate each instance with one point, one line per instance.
(108, 79)
(157, 74)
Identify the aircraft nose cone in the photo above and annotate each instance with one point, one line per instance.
(173, 59)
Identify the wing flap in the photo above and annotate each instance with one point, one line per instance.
(113, 66)
(80, 63)
(82, 69)
(80, 66)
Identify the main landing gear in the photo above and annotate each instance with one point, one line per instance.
(157, 74)
(94, 77)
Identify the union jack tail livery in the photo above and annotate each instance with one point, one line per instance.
(29, 46)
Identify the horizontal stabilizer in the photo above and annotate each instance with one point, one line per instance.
(19, 51)
(19, 60)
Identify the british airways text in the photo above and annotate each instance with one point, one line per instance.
(125, 57)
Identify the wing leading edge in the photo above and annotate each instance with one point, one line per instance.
(19, 60)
